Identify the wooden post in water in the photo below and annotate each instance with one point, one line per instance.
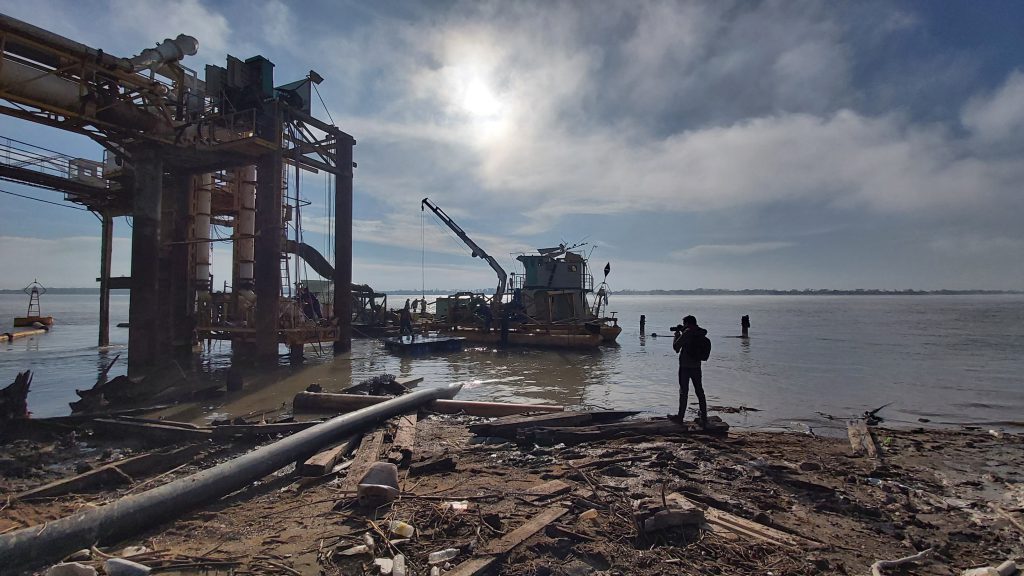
(643, 323)
(745, 326)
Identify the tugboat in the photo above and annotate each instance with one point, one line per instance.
(547, 306)
(34, 315)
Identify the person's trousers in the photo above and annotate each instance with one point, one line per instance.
(686, 374)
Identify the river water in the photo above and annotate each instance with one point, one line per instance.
(948, 360)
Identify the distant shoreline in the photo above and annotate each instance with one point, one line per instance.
(696, 292)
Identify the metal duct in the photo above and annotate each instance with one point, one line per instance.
(167, 51)
(204, 195)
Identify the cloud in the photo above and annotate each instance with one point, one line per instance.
(997, 118)
(151, 22)
(726, 250)
(976, 245)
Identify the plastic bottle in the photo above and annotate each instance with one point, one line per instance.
(402, 529)
(399, 567)
(442, 555)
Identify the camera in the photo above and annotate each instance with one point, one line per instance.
(677, 328)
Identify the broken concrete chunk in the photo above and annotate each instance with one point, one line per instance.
(71, 569)
(386, 565)
(379, 485)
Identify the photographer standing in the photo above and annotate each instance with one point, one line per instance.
(693, 346)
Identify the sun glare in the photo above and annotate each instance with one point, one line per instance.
(480, 101)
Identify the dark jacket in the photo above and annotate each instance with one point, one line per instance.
(684, 340)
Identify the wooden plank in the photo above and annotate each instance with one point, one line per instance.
(233, 430)
(547, 490)
(861, 439)
(473, 566)
(367, 454)
(323, 462)
(409, 381)
(405, 437)
(120, 472)
(721, 521)
(320, 401)
(516, 537)
(506, 427)
(155, 431)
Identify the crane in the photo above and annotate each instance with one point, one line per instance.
(478, 252)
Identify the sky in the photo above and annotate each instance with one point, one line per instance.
(715, 144)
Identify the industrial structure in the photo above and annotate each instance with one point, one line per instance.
(183, 154)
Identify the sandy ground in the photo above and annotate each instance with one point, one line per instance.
(957, 492)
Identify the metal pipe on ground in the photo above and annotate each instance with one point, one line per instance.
(319, 401)
(38, 545)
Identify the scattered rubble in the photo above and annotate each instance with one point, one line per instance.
(554, 493)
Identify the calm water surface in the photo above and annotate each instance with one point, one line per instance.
(953, 360)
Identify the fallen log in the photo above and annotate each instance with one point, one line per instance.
(321, 401)
(657, 427)
(508, 426)
(38, 545)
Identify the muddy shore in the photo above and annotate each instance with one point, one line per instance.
(958, 492)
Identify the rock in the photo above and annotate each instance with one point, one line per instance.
(122, 567)
(809, 466)
(82, 467)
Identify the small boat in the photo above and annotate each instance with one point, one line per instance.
(34, 315)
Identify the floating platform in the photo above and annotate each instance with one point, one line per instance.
(530, 339)
(23, 321)
(423, 344)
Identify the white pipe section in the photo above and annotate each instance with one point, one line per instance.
(167, 51)
(204, 195)
(246, 229)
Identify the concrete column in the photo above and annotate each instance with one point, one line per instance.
(106, 247)
(143, 308)
(343, 245)
(179, 305)
(267, 269)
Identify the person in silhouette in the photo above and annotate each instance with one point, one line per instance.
(685, 344)
(405, 320)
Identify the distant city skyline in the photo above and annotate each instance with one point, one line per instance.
(733, 145)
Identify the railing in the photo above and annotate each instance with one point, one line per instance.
(25, 156)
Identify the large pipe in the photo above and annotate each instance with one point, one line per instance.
(204, 194)
(61, 43)
(38, 545)
(30, 85)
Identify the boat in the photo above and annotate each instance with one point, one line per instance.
(543, 306)
(34, 315)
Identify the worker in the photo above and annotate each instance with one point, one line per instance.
(405, 320)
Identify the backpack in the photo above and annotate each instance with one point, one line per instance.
(700, 348)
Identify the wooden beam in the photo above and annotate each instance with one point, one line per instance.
(119, 472)
(323, 462)
(368, 453)
(319, 401)
(547, 490)
(516, 537)
(405, 437)
(722, 522)
(506, 427)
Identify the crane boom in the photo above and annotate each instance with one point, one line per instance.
(478, 252)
